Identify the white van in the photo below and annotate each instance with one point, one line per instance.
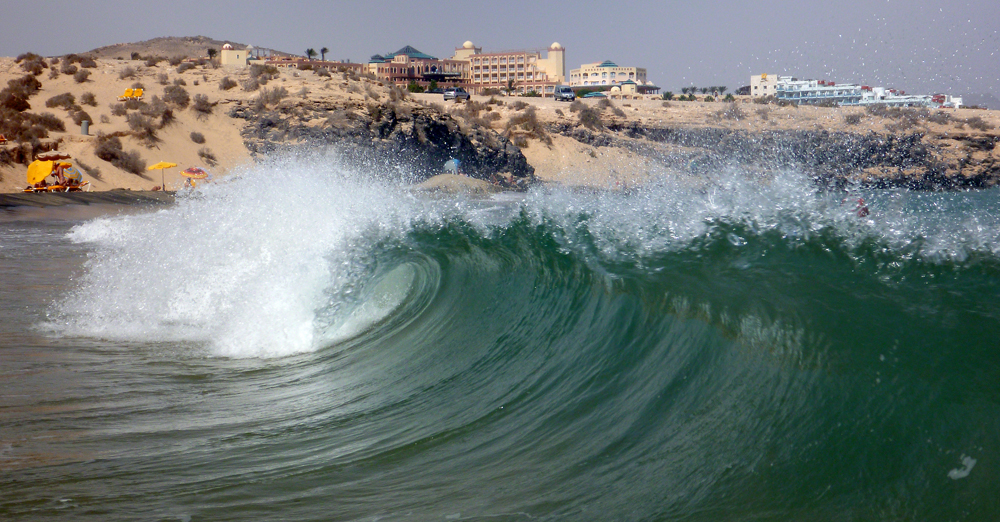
(564, 93)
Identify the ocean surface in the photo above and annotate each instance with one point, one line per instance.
(287, 346)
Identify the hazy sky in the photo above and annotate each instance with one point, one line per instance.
(921, 46)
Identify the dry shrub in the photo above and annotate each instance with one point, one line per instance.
(589, 117)
(157, 109)
(518, 105)
(577, 105)
(174, 61)
(226, 83)
(202, 107)
(68, 68)
(105, 118)
(323, 72)
(732, 112)
(250, 84)
(118, 109)
(177, 95)
(260, 71)
(180, 81)
(207, 156)
(151, 61)
(978, 123)
(80, 116)
(81, 76)
(494, 101)
(53, 73)
(143, 128)
(370, 92)
(271, 96)
(65, 100)
(666, 105)
(138, 85)
(163, 79)
(128, 72)
(88, 98)
(528, 122)
(763, 113)
(47, 121)
(88, 62)
(109, 148)
(186, 66)
(853, 118)
(939, 117)
(32, 63)
(520, 141)
(198, 137)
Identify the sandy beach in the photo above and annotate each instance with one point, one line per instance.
(556, 157)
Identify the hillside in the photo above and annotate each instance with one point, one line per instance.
(169, 46)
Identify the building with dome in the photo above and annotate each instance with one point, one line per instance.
(409, 65)
(607, 74)
(524, 70)
(232, 56)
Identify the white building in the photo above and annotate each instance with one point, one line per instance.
(814, 92)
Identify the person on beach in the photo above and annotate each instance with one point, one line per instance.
(57, 171)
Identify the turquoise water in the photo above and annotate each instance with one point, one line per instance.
(723, 348)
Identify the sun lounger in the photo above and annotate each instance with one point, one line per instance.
(126, 96)
(137, 94)
(3, 139)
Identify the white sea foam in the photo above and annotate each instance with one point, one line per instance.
(268, 263)
(243, 266)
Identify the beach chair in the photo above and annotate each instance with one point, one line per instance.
(3, 139)
(126, 96)
(137, 94)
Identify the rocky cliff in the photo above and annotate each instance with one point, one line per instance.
(396, 133)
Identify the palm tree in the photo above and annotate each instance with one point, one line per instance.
(310, 53)
(322, 53)
(668, 95)
(510, 86)
(704, 90)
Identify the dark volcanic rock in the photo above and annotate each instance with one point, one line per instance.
(882, 160)
(417, 138)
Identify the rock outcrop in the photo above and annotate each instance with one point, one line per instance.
(396, 134)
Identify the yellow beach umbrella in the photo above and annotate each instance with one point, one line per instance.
(39, 170)
(162, 165)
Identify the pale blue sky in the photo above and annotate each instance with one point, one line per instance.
(921, 46)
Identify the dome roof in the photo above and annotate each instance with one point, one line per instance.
(468, 45)
(227, 47)
(249, 47)
(556, 45)
(616, 89)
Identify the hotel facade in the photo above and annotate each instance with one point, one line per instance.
(525, 71)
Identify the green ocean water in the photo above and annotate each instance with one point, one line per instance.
(734, 348)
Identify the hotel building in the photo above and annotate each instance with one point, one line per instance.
(526, 70)
(410, 65)
(607, 75)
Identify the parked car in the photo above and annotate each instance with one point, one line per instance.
(436, 90)
(595, 95)
(564, 93)
(454, 93)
